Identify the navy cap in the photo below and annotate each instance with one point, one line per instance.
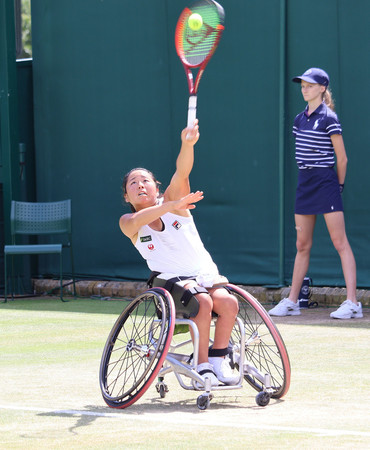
(314, 75)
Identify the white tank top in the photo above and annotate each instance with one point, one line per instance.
(177, 250)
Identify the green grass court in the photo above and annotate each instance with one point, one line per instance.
(50, 395)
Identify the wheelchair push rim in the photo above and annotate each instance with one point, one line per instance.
(265, 351)
(136, 348)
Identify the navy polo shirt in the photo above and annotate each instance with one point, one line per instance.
(313, 147)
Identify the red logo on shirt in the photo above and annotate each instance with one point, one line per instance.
(151, 247)
(176, 225)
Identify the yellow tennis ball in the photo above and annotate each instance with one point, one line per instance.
(195, 22)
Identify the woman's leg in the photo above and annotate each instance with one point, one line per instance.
(203, 322)
(336, 227)
(225, 305)
(304, 225)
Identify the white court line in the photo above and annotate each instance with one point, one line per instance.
(176, 419)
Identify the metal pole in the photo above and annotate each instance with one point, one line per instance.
(282, 104)
(9, 148)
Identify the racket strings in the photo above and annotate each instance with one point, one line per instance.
(197, 45)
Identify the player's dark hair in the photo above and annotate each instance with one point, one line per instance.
(125, 179)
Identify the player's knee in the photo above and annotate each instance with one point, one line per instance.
(227, 306)
(232, 306)
(205, 303)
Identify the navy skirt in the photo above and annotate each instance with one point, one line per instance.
(318, 191)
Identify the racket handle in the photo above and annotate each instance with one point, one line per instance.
(192, 110)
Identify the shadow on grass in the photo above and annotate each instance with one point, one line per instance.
(85, 417)
(321, 317)
(313, 317)
(79, 304)
(219, 402)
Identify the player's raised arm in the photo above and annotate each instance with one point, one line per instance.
(180, 186)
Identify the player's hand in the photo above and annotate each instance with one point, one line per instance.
(188, 201)
(191, 135)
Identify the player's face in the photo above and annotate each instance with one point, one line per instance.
(141, 190)
(311, 91)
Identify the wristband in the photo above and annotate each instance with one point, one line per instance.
(341, 188)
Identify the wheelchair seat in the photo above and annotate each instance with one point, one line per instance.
(186, 304)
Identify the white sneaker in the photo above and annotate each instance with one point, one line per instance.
(207, 371)
(348, 310)
(285, 308)
(223, 370)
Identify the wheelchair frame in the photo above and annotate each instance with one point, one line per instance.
(140, 347)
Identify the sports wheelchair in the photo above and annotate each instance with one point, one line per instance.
(140, 347)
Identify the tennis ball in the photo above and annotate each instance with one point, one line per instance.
(195, 21)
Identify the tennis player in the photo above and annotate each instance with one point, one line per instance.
(162, 229)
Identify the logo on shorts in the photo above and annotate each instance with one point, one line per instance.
(176, 225)
(151, 247)
(145, 238)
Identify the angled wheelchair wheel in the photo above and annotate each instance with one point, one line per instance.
(136, 348)
(265, 350)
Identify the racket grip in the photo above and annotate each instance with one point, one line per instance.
(192, 110)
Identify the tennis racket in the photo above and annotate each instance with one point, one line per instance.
(196, 47)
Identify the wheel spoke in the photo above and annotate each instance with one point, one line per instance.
(264, 349)
(135, 348)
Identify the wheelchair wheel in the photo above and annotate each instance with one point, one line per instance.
(264, 347)
(136, 348)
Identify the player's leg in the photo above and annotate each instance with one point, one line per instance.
(203, 322)
(225, 305)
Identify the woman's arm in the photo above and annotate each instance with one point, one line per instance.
(340, 153)
(130, 224)
(180, 186)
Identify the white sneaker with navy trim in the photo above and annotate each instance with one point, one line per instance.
(348, 310)
(223, 370)
(207, 371)
(285, 308)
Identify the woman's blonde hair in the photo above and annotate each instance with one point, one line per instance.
(328, 99)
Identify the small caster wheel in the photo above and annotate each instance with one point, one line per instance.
(262, 399)
(162, 390)
(203, 402)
